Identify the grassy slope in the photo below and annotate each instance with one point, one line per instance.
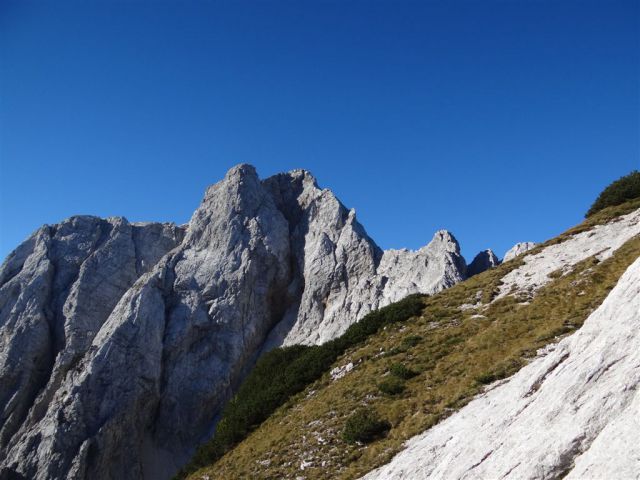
(458, 353)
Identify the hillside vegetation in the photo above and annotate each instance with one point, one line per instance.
(622, 190)
(410, 373)
(283, 372)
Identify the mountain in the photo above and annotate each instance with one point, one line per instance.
(481, 262)
(493, 377)
(120, 342)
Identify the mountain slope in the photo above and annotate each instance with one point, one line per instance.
(121, 342)
(573, 411)
(470, 335)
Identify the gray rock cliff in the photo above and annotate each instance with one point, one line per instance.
(484, 260)
(518, 249)
(120, 342)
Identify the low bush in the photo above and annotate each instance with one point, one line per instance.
(365, 426)
(283, 372)
(486, 378)
(622, 190)
(400, 371)
(501, 370)
(411, 341)
(391, 386)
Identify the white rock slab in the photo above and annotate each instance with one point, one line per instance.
(602, 241)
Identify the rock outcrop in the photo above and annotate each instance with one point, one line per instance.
(538, 268)
(338, 273)
(484, 260)
(119, 342)
(57, 290)
(518, 249)
(571, 413)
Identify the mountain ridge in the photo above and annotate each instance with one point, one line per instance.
(261, 263)
(473, 334)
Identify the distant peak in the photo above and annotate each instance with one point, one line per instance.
(303, 175)
(301, 172)
(484, 260)
(444, 236)
(241, 170)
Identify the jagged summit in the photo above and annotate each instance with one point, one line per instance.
(484, 260)
(121, 342)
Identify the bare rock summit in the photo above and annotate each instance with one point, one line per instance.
(484, 260)
(120, 342)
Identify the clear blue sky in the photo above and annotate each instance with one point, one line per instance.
(500, 121)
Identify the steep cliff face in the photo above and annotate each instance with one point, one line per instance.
(339, 273)
(481, 262)
(332, 257)
(56, 291)
(120, 342)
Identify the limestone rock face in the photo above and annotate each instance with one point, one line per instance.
(518, 249)
(57, 290)
(434, 267)
(600, 241)
(333, 261)
(571, 413)
(481, 262)
(339, 273)
(120, 342)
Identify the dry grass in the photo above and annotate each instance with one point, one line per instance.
(454, 352)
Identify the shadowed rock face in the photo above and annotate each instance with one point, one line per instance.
(57, 290)
(338, 273)
(120, 342)
(481, 262)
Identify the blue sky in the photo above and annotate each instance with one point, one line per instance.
(497, 120)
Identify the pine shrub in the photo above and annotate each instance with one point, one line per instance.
(400, 371)
(365, 426)
(392, 386)
(624, 189)
(283, 372)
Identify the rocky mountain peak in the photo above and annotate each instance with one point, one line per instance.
(168, 319)
(484, 260)
(445, 241)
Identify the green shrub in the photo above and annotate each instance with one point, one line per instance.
(400, 371)
(364, 426)
(392, 386)
(624, 189)
(395, 351)
(486, 378)
(371, 323)
(501, 370)
(283, 372)
(411, 341)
